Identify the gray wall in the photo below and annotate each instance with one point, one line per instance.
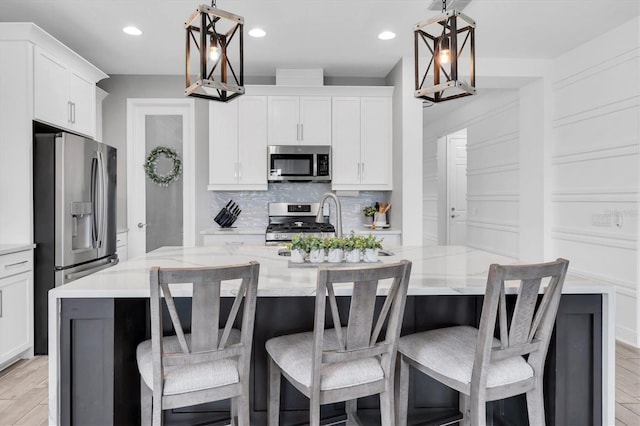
(114, 132)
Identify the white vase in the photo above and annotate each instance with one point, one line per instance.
(370, 255)
(316, 256)
(335, 255)
(352, 256)
(297, 255)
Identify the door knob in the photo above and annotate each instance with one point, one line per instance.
(141, 225)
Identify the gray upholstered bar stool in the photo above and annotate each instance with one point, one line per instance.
(344, 363)
(208, 364)
(481, 367)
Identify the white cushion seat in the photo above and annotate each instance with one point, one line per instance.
(191, 377)
(293, 354)
(450, 352)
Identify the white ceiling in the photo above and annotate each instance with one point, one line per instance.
(337, 35)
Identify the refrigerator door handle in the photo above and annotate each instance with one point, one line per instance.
(76, 275)
(94, 201)
(102, 204)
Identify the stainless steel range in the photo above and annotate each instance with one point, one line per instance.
(289, 219)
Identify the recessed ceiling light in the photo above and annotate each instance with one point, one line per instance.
(134, 31)
(386, 35)
(257, 32)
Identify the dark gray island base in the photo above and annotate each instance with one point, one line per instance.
(99, 381)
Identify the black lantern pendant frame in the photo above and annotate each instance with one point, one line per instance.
(436, 33)
(217, 79)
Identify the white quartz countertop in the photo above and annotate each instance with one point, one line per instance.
(437, 270)
(13, 248)
(260, 231)
(233, 231)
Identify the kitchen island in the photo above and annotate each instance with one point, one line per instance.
(96, 322)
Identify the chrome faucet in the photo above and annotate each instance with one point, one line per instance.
(320, 218)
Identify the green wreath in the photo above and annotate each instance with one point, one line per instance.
(151, 166)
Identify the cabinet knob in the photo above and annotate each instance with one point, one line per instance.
(141, 225)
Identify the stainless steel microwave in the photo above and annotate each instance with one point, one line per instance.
(301, 163)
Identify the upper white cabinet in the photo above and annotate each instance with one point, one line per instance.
(238, 144)
(299, 120)
(62, 96)
(40, 79)
(362, 143)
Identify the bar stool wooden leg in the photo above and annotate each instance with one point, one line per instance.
(145, 403)
(402, 390)
(273, 409)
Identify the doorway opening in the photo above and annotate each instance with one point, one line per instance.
(159, 215)
(452, 204)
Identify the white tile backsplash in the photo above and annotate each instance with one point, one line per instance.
(254, 203)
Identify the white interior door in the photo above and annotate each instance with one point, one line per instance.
(457, 188)
(159, 216)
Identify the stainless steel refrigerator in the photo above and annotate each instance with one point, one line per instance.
(74, 200)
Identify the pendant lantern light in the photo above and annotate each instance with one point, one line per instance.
(214, 50)
(444, 46)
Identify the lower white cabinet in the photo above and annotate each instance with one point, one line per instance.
(233, 239)
(16, 305)
(121, 246)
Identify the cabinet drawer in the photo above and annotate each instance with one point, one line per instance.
(16, 263)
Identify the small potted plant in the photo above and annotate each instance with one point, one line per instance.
(298, 248)
(371, 246)
(316, 249)
(369, 212)
(351, 249)
(335, 249)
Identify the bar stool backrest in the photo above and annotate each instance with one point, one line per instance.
(361, 338)
(527, 331)
(206, 343)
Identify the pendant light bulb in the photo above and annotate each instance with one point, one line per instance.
(444, 52)
(214, 49)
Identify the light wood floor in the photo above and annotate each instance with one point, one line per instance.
(23, 390)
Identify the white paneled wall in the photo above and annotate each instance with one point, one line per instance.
(492, 123)
(493, 176)
(430, 194)
(595, 131)
(585, 114)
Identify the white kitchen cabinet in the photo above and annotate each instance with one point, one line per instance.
(299, 120)
(362, 143)
(29, 92)
(62, 96)
(121, 246)
(16, 306)
(238, 145)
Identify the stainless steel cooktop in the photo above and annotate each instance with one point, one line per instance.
(289, 219)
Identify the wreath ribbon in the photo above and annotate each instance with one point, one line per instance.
(151, 166)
